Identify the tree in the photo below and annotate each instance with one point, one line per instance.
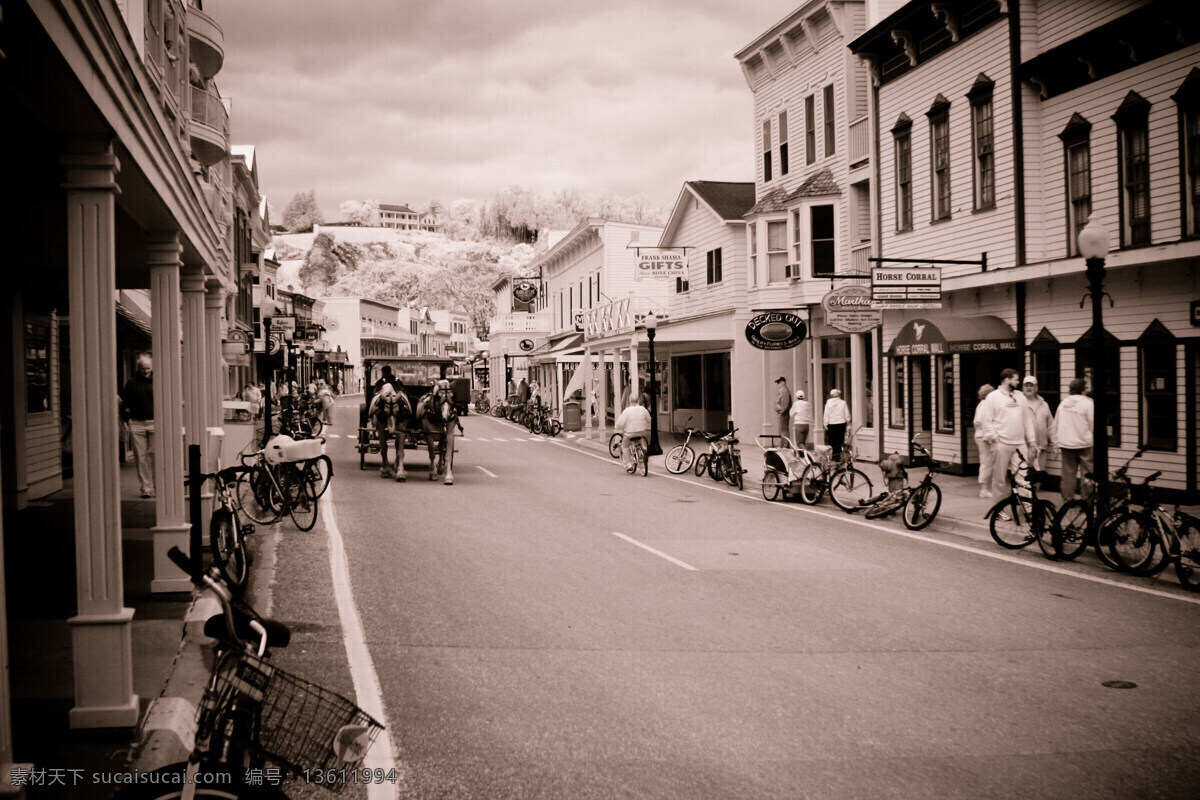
(364, 212)
(302, 212)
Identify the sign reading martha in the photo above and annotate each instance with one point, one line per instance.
(776, 330)
(525, 290)
(660, 265)
(526, 345)
(849, 309)
(906, 287)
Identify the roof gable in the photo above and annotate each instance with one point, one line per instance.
(728, 201)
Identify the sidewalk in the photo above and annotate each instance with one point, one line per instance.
(41, 667)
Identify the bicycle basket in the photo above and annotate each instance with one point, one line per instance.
(301, 725)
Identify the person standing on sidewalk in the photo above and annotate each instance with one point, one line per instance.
(1008, 423)
(137, 408)
(1075, 425)
(801, 414)
(836, 419)
(783, 404)
(984, 444)
(1043, 422)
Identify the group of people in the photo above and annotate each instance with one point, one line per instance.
(795, 417)
(1015, 417)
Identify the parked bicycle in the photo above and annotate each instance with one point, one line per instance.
(847, 484)
(227, 534)
(1078, 519)
(255, 715)
(680, 458)
(919, 504)
(1022, 518)
(482, 405)
(713, 462)
(281, 481)
(1146, 540)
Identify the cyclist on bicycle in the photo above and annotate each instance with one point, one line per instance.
(634, 422)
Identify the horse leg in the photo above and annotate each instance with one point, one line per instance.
(401, 477)
(449, 457)
(384, 470)
(431, 445)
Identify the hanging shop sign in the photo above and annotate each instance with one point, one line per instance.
(525, 290)
(660, 265)
(579, 321)
(283, 323)
(906, 287)
(1196, 312)
(776, 330)
(274, 344)
(849, 309)
(526, 345)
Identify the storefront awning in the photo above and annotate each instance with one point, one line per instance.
(545, 353)
(983, 334)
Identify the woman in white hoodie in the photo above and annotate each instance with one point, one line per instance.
(1075, 423)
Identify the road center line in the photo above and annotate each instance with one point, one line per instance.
(362, 668)
(485, 471)
(658, 553)
(1047, 567)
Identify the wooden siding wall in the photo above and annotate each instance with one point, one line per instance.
(967, 233)
(1155, 81)
(701, 231)
(563, 274)
(1059, 21)
(620, 264)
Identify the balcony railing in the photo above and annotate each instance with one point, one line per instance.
(619, 317)
(860, 142)
(207, 41)
(210, 126)
(519, 322)
(858, 259)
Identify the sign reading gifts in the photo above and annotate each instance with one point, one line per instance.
(906, 287)
(660, 265)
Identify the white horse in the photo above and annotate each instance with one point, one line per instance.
(439, 421)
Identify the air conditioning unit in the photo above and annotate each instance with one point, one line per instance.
(792, 271)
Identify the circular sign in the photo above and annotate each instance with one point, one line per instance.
(526, 344)
(273, 345)
(525, 291)
(776, 330)
(332, 324)
(849, 309)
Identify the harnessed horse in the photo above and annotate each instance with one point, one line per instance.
(439, 421)
(390, 412)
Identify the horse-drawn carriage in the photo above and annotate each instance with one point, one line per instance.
(425, 410)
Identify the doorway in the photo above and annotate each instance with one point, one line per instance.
(920, 421)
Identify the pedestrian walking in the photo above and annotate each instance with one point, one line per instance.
(983, 444)
(137, 408)
(836, 419)
(1008, 425)
(801, 414)
(1043, 422)
(783, 404)
(1074, 424)
(253, 397)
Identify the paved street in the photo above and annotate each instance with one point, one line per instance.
(660, 637)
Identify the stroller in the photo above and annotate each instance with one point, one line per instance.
(784, 464)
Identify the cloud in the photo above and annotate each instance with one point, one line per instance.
(410, 101)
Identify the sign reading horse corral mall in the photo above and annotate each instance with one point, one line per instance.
(776, 330)
(660, 265)
(906, 287)
(849, 309)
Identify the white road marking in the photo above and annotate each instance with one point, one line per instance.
(1046, 567)
(658, 553)
(498, 439)
(362, 668)
(481, 439)
(334, 435)
(485, 471)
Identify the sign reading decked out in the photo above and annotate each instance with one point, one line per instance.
(660, 265)
(776, 330)
(849, 309)
(906, 287)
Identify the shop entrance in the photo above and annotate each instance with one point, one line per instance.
(920, 421)
(975, 371)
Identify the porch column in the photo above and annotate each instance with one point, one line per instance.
(586, 364)
(602, 396)
(635, 388)
(100, 632)
(195, 358)
(163, 255)
(214, 304)
(618, 383)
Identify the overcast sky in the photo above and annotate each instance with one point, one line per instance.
(404, 101)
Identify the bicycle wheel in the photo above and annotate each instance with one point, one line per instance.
(812, 484)
(319, 471)
(554, 428)
(701, 465)
(1010, 524)
(228, 547)
(257, 496)
(1073, 521)
(922, 506)
(643, 459)
(1104, 535)
(716, 467)
(1129, 540)
(300, 499)
(733, 469)
(1045, 527)
(679, 459)
(315, 426)
(849, 486)
(772, 486)
(1187, 565)
(496, 411)
(614, 445)
(887, 506)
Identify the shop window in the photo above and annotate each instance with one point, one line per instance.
(1133, 125)
(869, 375)
(896, 390)
(1077, 156)
(980, 97)
(945, 398)
(37, 367)
(902, 135)
(1112, 394)
(716, 382)
(1158, 400)
(835, 366)
(1045, 361)
(689, 381)
(1188, 100)
(939, 135)
(777, 251)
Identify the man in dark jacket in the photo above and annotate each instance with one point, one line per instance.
(137, 408)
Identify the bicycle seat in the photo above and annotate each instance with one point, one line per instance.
(1036, 476)
(278, 634)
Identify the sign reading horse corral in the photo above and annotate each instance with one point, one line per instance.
(906, 287)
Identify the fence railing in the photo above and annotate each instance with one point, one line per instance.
(860, 141)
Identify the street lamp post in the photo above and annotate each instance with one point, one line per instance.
(655, 448)
(1093, 246)
(267, 311)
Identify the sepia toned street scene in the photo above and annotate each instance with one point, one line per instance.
(527, 399)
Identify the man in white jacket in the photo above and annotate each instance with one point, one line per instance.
(1075, 423)
(1007, 425)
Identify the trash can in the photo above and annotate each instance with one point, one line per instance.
(572, 417)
